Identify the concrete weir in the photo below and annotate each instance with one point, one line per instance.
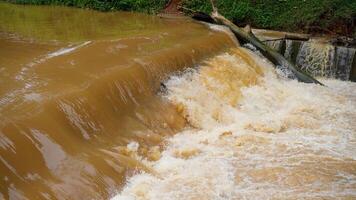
(316, 55)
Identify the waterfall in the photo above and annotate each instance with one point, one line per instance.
(318, 59)
(253, 135)
(344, 62)
(129, 106)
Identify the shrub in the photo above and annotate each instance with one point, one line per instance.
(148, 6)
(289, 15)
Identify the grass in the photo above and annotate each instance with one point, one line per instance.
(147, 6)
(324, 16)
(330, 16)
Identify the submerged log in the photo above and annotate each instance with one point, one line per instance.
(246, 35)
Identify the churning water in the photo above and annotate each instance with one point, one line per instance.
(129, 106)
(254, 135)
(76, 86)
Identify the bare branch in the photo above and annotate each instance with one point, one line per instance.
(213, 5)
(248, 29)
(187, 9)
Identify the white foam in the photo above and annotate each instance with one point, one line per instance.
(282, 140)
(66, 50)
(225, 30)
(133, 146)
(33, 97)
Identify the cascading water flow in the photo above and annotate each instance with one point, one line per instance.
(326, 60)
(253, 135)
(318, 58)
(130, 106)
(70, 101)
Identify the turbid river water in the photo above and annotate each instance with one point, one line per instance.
(129, 106)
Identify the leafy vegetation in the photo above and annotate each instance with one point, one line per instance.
(331, 16)
(148, 6)
(324, 16)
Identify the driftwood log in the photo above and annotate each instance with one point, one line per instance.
(290, 37)
(246, 35)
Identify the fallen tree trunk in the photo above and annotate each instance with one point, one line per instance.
(296, 37)
(246, 35)
(289, 37)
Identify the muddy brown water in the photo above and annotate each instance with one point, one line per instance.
(77, 85)
(126, 106)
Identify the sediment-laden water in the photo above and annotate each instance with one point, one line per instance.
(316, 56)
(254, 135)
(129, 106)
(76, 86)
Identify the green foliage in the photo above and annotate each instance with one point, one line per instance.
(285, 14)
(148, 6)
(289, 15)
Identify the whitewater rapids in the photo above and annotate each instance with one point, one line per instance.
(253, 135)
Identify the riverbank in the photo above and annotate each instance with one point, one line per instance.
(147, 6)
(335, 17)
(332, 17)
